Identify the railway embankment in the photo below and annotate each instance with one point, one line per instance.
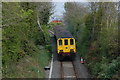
(31, 66)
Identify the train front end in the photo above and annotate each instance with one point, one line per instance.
(66, 47)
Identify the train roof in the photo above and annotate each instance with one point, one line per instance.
(60, 32)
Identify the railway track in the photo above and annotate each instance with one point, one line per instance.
(68, 70)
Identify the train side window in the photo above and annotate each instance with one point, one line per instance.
(66, 42)
(60, 42)
(71, 42)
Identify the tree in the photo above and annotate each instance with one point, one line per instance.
(21, 33)
(95, 28)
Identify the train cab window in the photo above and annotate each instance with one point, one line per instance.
(60, 42)
(66, 42)
(71, 42)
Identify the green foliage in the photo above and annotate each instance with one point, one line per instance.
(46, 34)
(21, 33)
(44, 12)
(29, 66)
(96, 34)
(109, 70)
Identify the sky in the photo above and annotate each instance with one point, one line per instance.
(58, 10)
(59, 5)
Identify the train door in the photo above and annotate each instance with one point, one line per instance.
(66, 45)
(60, 45)
(72, 45)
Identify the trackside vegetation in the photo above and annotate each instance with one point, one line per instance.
(25, 39)
(95, 27)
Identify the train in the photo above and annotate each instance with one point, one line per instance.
(66, 46)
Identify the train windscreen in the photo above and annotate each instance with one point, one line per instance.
(66, 42)
(60, 42)
(71, 42)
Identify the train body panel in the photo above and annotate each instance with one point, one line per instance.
(66, 45)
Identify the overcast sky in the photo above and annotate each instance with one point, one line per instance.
(58, 10)
(59, 5)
